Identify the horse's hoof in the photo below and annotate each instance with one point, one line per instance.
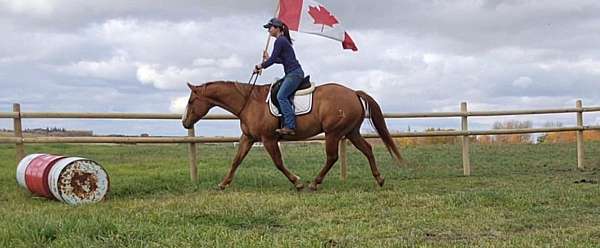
(313, 187)
(299, 186)
(380, 181)
(222, 186)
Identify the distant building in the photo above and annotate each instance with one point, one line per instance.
(60, 132)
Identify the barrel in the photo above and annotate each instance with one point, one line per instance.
(72, 180)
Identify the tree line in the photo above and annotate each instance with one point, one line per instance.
(549, 138)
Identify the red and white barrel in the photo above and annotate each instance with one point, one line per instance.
(72, 180)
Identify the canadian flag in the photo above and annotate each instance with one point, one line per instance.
(308, 16)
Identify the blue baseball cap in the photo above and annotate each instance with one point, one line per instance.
(274, 22)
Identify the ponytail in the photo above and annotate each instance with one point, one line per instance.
(286, 33)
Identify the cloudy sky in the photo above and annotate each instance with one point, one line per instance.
(414, 56)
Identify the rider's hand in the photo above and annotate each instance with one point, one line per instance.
(257, 68)
(265, 55)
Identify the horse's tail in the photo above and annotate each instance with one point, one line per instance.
(377, 120)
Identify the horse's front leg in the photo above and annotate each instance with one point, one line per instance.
(273, 150)
(245, 145)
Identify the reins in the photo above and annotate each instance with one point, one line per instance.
(247, 97)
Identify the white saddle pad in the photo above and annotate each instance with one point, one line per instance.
(302, 102)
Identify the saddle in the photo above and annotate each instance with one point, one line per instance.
(301, 100)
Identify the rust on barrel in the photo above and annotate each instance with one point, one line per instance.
(83, 184)
(79, 182)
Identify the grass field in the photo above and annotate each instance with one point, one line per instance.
(518, 195)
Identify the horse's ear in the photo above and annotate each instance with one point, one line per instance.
(190, 85)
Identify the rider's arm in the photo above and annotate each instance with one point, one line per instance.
(275, 55)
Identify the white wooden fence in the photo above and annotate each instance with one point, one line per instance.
(17, 115)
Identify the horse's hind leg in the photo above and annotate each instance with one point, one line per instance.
(361, 144)
(331, 149)
(273, 150)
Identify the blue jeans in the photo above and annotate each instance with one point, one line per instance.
(291, 81)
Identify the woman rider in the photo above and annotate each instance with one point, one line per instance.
(283, 53)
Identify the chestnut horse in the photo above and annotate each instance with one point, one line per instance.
(337, 111)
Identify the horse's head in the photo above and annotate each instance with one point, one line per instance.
(197, 107)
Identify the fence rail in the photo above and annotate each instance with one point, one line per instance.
(192, 140)
(142, 116)
(159, 116)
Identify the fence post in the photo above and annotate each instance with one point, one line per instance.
(193, 157)
(18, 129)
(465, 140)
(580, 151)
(344, 159)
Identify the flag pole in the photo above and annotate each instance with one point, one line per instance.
(268, 34)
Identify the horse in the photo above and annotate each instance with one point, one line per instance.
(337, 111)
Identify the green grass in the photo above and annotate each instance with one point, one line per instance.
(518, 195)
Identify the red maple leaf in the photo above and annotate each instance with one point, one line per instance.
(322, 16)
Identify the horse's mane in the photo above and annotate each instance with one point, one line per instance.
(223, 82)
(237, 85)
(231, 82)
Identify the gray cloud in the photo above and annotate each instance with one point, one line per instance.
(135, 56)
